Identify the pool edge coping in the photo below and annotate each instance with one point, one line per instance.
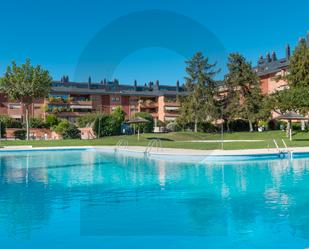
(162, 151)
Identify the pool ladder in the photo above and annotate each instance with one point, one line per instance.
(284, 151)
(121, 144)
(154, 143)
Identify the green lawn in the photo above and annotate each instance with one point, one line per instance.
(180, 140)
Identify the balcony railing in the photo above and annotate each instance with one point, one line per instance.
(71, 114)
(81, 102)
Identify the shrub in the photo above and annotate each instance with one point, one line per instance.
(208, 127)
(104, 125)
(5, 120)
(67, 130)
(161, 123)
(20, 134)
(145, 127)
(36, 123)
(86, 120)
(296, 126)
(275, 124)
(239, 125)
(8, 122)
(109, 124)
(51, 120)
(173, 127)
(2, 129)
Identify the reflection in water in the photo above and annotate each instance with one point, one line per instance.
(243, 201)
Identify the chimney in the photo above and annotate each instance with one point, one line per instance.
(177, 86)
(287, 52)
(104, 81)
(89, 82)
(268, 57)
(156, 87)
(135, 85)
(274, 56)
(308, 38)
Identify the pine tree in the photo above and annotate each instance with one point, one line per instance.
(298, 75)
(199, 105)
(243, 94)
(296, 96)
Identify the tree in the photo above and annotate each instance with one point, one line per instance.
(104, 125)
(244, 95)
(298, 75)
(296, 96)
(36, 123)
(290, 99)
(200, 104)
(25, 83)
(118, 116)
(229, 103)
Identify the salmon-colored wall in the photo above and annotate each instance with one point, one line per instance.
(125, 104)
(38, 133)
(270, 85)
(161, 113)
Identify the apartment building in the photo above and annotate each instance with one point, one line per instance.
(270, 66)
(70, 100)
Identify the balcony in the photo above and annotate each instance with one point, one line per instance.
(14, 110)
(150, 105)
(172, 104)
(81, 102)
(171, 109)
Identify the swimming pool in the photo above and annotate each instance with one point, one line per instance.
(97, 199)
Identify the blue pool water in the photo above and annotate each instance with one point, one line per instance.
(92, 199)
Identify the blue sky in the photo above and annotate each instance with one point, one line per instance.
(55, 33)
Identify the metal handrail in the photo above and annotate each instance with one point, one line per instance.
(155, 142)
(284, 144)
(285, 150)
(275, 142)
(122, 143)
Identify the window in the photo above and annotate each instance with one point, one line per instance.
(115, 99)
(14, 106)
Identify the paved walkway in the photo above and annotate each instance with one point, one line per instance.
(220, 141)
